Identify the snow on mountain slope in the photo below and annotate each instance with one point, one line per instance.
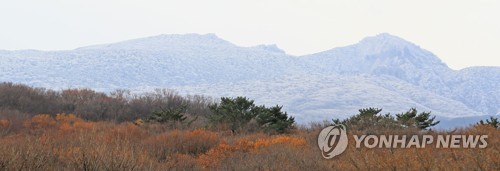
(170, 60)
(271, 48)
(168, 42)
(380, 71)
(387, 55)
(383, 54)
(318, 97)
(478, 88)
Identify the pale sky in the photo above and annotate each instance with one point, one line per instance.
(461, 32)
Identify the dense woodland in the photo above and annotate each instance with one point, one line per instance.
(80, 129)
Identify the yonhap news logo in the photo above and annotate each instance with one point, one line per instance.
(333, 141)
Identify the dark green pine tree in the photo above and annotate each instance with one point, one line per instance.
(172, 114)
(234, 111)
(274, 120)
(366, 116)
(367, 119)
(240, 111)
(491, 122)
(369, 112)
(412, 119)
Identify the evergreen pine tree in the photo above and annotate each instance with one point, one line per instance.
(412, 119)
(171, 114)
(273, 119)
(492, 122)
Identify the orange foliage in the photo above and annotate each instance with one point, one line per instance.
(223, 150)
(4, 123)
(67, 118)
(188, 142)
(63, 122)
(260, 143)
(66, 142)
(40, 121)
(83, 125)
(65, 127)
(139, 122)
(125, 131)
(70, 122)
(213, 156)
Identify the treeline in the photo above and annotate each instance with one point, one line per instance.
(372, 119)
(240, 114)
(19, 102)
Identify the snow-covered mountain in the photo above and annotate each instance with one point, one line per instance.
(384, 54)
(160, 61)
(387, 55)
(380, 71)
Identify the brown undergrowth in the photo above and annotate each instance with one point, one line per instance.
(66, 142)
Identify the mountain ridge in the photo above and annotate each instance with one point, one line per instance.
(329, 80)
(156, 42)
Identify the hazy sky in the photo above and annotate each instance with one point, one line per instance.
(462, 33)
